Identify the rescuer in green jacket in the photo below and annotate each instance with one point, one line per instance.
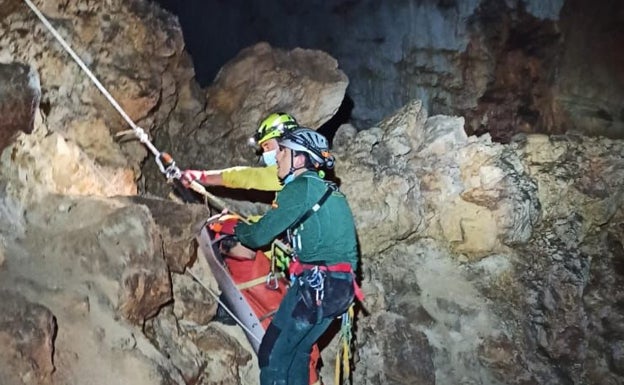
(257, 178)
(319, 226)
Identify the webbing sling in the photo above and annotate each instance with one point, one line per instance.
(331, 187)
(257, 281)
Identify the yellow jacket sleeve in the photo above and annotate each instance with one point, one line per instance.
(256, 178)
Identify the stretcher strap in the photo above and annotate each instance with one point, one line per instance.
(256, 282)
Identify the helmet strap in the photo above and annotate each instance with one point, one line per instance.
(293, 169)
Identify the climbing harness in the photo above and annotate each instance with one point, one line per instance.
(315, 280)
(281, 253)
(297, 268)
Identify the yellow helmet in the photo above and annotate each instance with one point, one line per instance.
(274, 126)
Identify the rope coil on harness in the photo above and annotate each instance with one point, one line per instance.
(344, 346)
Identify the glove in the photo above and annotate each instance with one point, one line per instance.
(227, 243)
(188, 176)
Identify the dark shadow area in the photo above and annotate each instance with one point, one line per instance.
(236, 194)
(330, 175)
(205, 45)
(342, 116)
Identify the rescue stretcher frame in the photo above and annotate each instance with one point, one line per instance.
(236, 302)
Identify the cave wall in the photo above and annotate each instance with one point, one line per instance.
(482, 263)
(507, 66)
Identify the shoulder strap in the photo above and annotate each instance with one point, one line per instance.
(331, 187)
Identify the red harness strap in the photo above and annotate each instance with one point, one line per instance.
(297, 268)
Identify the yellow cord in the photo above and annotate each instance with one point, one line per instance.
(344, 345)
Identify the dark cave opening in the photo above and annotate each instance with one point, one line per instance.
(342, 116)
(518, 73)
(203, 41)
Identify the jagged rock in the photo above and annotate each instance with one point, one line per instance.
(494, 209)
(260, 80)
(180, 350)
(93, 262)
(44, 163)
(499, 263)
(576, 175)
(484, 196)
(27, 332)
(315, 85)
(132, 47)
(19, 97)
(394, 360)
(469, 192)
(229, 359)
(178, 225)
(191, 302)
(378, 156)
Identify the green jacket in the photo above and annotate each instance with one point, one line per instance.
(327, 236)
(257, 178)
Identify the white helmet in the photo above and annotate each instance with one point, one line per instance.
(310, 142)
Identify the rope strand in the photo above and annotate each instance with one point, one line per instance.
(171, 171)
(138, 131)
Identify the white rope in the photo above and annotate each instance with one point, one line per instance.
(138, 131)
(172, 171)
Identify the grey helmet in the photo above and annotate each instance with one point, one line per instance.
(310, 142)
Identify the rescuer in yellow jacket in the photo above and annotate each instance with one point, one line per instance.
(257, 178)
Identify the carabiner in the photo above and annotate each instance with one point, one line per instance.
(271, 281)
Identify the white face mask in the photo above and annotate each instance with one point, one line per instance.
(288, 179)
(270, 158)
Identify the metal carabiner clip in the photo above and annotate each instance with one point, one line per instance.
(271, 281)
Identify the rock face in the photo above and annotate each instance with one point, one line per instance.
(483, 263)
(484, 255)
(129, 47)
(93, 269)
(471, 193)
(27, 332)
(19, 98)
(96, 264)
(259, 81)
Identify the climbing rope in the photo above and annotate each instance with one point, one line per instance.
(138, 131)
(344, 347)
(165, 162)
